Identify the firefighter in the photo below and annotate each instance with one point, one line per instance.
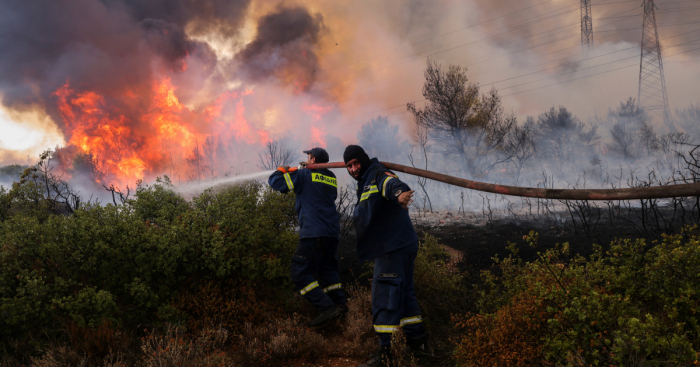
(319, 227)
(385, 234)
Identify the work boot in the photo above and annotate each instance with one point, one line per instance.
(383, 358)
(325, 316)
(343, 310)
(418, 348)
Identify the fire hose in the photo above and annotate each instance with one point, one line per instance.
(634, 193)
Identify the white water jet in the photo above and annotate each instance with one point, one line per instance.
(195, 188)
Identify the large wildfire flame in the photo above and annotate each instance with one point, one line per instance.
(153, 88)
(166, 133)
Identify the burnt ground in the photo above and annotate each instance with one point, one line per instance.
(478, 242)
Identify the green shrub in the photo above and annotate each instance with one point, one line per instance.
(128, 264)
(635, 304)
(440, 290)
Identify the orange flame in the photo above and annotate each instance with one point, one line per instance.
(318, 136)
(316, 111)
(130, 147)
(318, 133)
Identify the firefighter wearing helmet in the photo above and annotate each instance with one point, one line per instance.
(319, 227)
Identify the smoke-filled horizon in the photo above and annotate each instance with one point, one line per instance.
(140, 85)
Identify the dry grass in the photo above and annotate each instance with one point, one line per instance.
(174, 348)
(277, 342)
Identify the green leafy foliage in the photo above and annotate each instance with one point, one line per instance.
(439, 288)
(635, 304)
(128, 264)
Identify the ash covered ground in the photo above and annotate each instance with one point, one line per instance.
(474, 239)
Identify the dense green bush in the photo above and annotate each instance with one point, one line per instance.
(441, 291)
(635, 304)
(126, 265)
(440, 287)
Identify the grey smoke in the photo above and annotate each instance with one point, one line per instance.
(111, 46)
(286, 40)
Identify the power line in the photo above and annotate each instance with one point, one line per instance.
(558, 75)
(544, 44)
(588, 76)
(460, 29)
(609, 53)
(510, 28)
(549, 53)
(517, 26)
(491, 36)
(529, 47)
(559, 66)
(574, 62)
(675, 10)
(591, 67)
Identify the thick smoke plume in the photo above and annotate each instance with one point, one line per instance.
(285, 43)
(136, 84)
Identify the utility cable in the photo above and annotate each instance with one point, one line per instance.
(592, 75)
(522, 49)
(584, 77)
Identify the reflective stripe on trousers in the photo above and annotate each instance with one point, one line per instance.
(332, 288)
(308, 288)
(393, 328)
(314, 272)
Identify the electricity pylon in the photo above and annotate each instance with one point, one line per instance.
(652, 84)
(586, 27)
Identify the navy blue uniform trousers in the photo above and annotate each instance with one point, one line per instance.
(394, 301)
(318, 256)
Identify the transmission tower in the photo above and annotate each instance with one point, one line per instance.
(586, 27)
(652, 84)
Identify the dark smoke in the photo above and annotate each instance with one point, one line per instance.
(105, 47)
(113, 47)
(285, 46)
(223, 16)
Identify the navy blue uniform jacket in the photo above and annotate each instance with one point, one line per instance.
(381, 224)
(315, 191)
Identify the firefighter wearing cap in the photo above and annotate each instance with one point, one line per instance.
(319, 227)
(385, 234)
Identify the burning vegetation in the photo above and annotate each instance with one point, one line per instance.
(147, 89)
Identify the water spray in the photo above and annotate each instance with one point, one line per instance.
(635, 193)
(194, 188)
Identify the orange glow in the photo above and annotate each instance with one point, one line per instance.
(131, 146)
(318, 132)
(318, 136)
(316, 111)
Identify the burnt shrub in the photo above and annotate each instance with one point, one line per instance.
(139, 263)
(634, 304)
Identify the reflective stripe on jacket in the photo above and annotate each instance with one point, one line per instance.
(381, 224)
(316, 191)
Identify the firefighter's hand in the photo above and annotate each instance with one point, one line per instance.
(405, 199)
